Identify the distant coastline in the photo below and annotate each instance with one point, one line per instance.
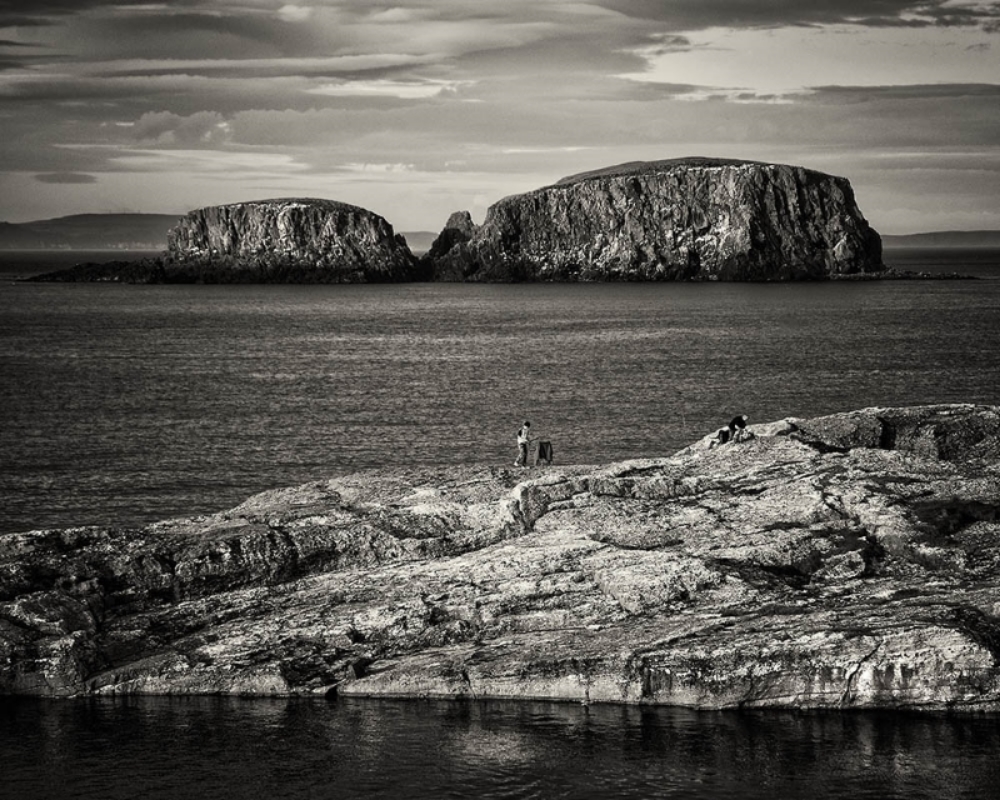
(89, 232)
(950, 239)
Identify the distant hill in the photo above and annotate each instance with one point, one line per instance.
(89, 232)
(944, 239)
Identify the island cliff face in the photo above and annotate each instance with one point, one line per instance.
(320, 240)
(839, 562)
(268, 241)
(685, 219)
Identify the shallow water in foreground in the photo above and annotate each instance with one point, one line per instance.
(230, 749)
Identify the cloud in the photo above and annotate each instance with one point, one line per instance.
(235, 165)
(65, 177)
(333, 66)
(378, 168)
(163, 127)
(290, 13)
(411, 89)
(696, 15)
(457, 100)
(787, 59)
(909, 91)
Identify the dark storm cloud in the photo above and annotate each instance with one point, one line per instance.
(689, 15)
(25, 13)
(26, 54)
(908, 92)
(332, 69)
(46, 8)
(65, 177)
(177, 35)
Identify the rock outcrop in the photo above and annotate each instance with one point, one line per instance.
(684, 219)
(269, 241)
(840, 562)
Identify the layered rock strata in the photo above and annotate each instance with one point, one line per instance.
(840, 562)
(684, 219)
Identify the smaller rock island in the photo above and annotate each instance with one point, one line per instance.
(268, 241)
(293, 240)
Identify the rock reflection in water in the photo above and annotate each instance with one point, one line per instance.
(230, 748)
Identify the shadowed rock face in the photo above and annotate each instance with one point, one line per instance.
(838, 562)
(685, 219)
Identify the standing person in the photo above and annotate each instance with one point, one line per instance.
(523, 442)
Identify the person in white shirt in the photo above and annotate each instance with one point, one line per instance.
(523, 442)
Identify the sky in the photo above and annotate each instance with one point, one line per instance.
(419, 108)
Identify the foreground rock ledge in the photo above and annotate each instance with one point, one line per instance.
(846, 561)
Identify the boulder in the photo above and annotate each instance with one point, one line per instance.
(682, 219)
(846, 561)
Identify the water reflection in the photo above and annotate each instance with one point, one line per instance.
(232, 748)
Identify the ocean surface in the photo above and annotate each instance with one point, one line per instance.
(127, 404)
(230, 749)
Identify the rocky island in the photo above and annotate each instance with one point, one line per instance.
(268, 241)
(682, 219)
(845, 561)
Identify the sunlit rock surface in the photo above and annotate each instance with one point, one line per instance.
(683, 219)
(839, 562)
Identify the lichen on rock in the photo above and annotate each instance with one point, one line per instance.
(846, 561)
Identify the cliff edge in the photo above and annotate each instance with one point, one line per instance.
(681, 219)
(844, 561)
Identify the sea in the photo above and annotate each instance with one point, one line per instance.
(212, 748)
(128, 404)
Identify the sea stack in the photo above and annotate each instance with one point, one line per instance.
(287, 241)
(680, 219)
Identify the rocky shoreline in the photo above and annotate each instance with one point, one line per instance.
(892, 274)
(848, 561)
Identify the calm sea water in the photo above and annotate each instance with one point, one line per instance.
(244, 749)
(125, 404)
